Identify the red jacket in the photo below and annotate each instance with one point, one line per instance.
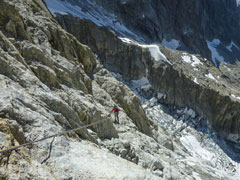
(114, 110)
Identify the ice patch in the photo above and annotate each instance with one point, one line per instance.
(212, 45)
(194, 147)
(173, 44)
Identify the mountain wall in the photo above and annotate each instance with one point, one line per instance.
(211, 98)
(209, 28)
(192, 23)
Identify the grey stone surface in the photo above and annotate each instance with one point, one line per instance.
(50, 82)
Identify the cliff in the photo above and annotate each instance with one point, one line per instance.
(188, 81)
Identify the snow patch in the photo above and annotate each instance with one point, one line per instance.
(186, 58)
(92, 12)
(127, 40)
(173, 44)
(234, 96)
(194, 147)
(210, 76)
(196, 61)
(193, 60)
(195, 80)
(153, 49)
(212, 45)
(229, 47)
(155, 52)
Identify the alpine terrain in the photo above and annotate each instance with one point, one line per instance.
(171, 68)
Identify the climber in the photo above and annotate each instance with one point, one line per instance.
(116, 111)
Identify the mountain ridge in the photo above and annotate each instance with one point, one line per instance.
(207, 28)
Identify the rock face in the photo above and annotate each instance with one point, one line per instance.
(199, 86)
(50, 82)
(184, 84)
(208, 28)
(130, 61)
(192, 22)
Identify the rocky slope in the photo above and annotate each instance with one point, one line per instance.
(50, 82)
(188, 81)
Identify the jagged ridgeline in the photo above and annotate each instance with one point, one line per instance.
(54, 79)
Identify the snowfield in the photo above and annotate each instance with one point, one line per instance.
(92, 12)
(193, 60)
(153, 49)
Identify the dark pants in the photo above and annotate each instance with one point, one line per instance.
(116, 117)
